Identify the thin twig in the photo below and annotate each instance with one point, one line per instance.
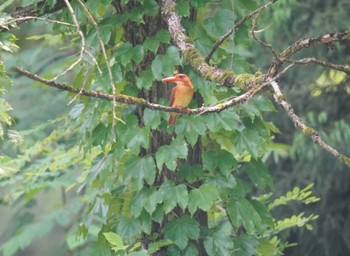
(103, 49)
(83, 42)
(26, 18)
(343, 68)
(238, 24)
(253, 32)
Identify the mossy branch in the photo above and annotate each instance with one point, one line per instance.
(190, 53)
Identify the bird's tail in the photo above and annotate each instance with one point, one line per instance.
(172, 119)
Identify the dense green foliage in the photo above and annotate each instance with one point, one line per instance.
(130, 185)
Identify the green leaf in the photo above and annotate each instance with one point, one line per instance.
(163, 65)
(246, 5)
(190, 173)
(251, 110)
(151, 43)
(241, 212)
(138, 53)
(163, 36)
(228, 120)
(76, 111)
(263, 103)
(124, 54)
(169, 154)
(138, 169)
(263, 212)
(133, 135)
(145, 79)
(157, 67)
(220, 159)
(115, 240)
(202, 197)
(181, 195)
(145, 222)
(139, 253)
(267, 248)
(191, 128)
(117, 73)
(248, 140)
(137, 137)
(247, 243)
(220, 23)
(153, 247)
(128, 228)
(8, 167)
(172, 195)
(219, 240)
(101, 135)
(181, 230)
(224, 184)
(146, 199)
(190, 250)
(183, 8)
(105, 32)
(259, 174)
(173, 55)
(151, 118)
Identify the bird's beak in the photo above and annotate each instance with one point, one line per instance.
(170, 79)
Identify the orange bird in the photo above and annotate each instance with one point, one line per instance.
(181, 94)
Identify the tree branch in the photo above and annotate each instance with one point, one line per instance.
(237, 25)
(189, 51)
(308, 131)
(338, 67)
(306, 43)
(140, 101)
(26, 18)
(309, 42)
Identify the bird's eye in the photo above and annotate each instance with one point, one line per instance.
(181, 76)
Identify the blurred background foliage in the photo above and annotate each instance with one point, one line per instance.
(320, 96)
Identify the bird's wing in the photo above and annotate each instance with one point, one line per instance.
(172, 96)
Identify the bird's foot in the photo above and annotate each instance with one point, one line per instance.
(187, 110)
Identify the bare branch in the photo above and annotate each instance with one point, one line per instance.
(237, 25)
(308, 131)
(83, 42)
(309, 42)
(343, 68)
(266, 45)
(26, 18)
(306, 43)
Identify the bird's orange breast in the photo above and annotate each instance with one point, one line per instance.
(183, 96)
